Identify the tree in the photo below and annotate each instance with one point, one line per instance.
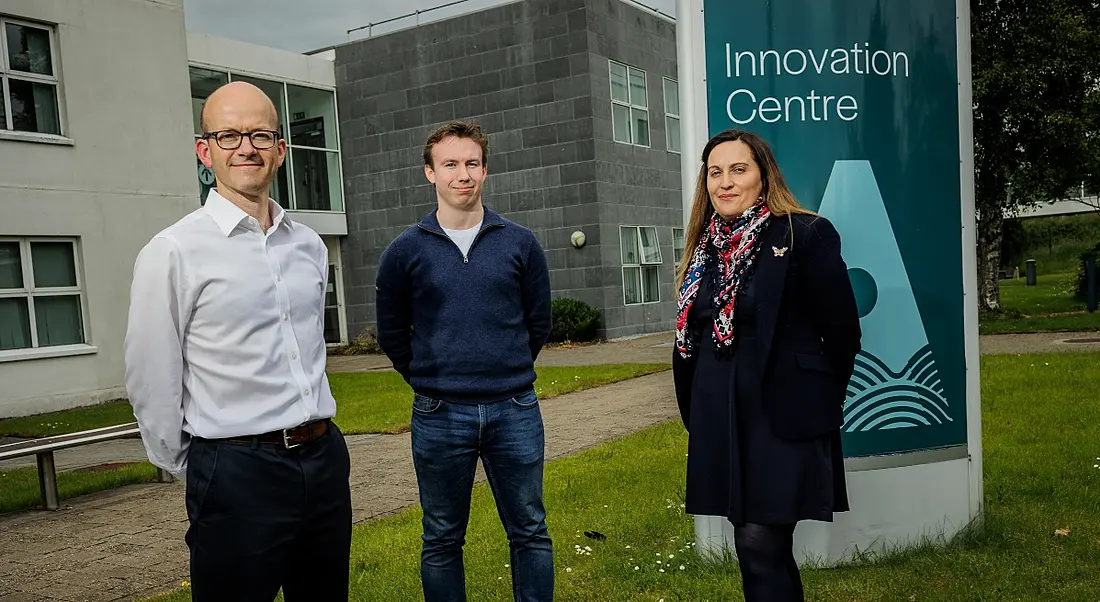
(1036, 72)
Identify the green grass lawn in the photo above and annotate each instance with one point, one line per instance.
(1052, 294)
(1041, 441)
(68, 421)
(1049, 306)
(19, 488)
(367, 402)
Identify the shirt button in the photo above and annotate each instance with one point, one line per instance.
(286, 317)
(294, 355)
(305, 392)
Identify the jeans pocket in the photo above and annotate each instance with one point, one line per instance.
(526, 400)
(425, 405)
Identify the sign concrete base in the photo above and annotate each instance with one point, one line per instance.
(892, 507)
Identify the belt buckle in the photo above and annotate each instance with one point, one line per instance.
(286, 440)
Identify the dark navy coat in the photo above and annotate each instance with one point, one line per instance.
(808, 329)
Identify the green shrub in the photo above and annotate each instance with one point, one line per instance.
(1081, 283)
(364, 344)
(573, 320)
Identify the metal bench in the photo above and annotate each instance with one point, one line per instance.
(44, 448)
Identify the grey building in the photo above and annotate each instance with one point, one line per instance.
(578, 97)
(95, 158)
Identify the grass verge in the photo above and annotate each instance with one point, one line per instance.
(19, 488)
(1049, 306)
(68, 421)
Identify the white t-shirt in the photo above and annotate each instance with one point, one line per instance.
(464, 238)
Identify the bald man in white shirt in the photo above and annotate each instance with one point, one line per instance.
(225, 369)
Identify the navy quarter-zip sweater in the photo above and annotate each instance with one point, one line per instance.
(464, 329)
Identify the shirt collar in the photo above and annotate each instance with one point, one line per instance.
(228, 216)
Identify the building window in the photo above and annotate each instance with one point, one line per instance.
(641, 256)
(40, 294)
(310, 177)
(677, 244)
(629, 105)
(332, 309)
(672, 115)
(314, 149)
(280, 188)
(335, 320)
(29, 101)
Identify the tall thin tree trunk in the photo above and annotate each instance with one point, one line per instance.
(990, 223)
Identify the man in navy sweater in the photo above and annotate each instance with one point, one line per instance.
(463, 307)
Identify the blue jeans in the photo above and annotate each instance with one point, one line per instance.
(447, 439)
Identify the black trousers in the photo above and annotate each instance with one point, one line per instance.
(765, 554)
(264, 517)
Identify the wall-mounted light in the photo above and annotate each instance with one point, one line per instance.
(577, 238)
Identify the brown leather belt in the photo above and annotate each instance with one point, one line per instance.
(288, 438)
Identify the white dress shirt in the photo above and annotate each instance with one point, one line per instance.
(225, 335)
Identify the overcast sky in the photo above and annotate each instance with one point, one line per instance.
(299, 26)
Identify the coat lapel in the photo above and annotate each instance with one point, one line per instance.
(770, 277)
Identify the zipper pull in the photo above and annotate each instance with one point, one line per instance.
(465, 259)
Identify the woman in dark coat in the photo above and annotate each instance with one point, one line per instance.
(767, 335)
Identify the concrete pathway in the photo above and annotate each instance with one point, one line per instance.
(1043, 342)
(87, 456)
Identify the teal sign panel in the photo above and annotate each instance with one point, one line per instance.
(859, 100)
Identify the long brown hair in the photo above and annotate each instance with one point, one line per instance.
(776, 194)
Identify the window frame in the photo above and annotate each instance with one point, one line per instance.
(336, 261)
(630, 105)
(678, 251)
(30, 292)
(284, 129)
(7, 126)
(642, 264)
(669, 115)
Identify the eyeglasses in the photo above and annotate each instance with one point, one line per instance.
(231, 139)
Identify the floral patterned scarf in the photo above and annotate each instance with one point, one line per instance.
(734, 245)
